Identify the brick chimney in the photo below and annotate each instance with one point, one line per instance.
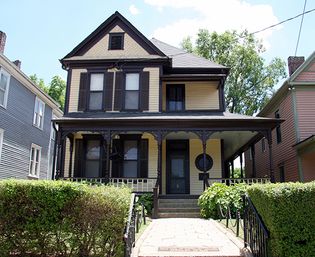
(18, 63)
(3, 37)
(294, 62)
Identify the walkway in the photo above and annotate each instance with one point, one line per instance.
(186, 237)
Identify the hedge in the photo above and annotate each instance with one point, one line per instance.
(221, 195)
(288, 211)
(58, 218)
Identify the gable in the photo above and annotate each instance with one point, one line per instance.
(131, 48)
(96, 44)
(306, 72)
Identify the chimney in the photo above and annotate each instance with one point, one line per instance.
(3, 37)
(18, 63)
(294, 62)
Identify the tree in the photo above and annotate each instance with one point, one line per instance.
(250, 83)
(56, 89)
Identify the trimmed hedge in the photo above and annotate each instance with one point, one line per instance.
(288, 211)
(222, 195)
(58, 218)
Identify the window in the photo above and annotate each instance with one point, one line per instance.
(132, 91)
(130, 166)
(116, 41)
(281, 174)
(1, 142)
(4, 87)
(39, 110)
(175, 97)
(92, 158)
(96, 91)
(35, 161)
(278, 128)
(263, 145)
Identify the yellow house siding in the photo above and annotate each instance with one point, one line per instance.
(214, 150)
(74, 89)
(67, 159)
(131, 47)
(198, 95)
(153, 155)
(154, 86)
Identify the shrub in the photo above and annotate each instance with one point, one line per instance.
(221, 195)
(58, 218)
(288, 211)
(147, 201)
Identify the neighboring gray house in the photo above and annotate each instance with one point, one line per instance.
(26, 133)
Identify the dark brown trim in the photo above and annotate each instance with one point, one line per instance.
(121, 34)
(160, 89)
(67, 96)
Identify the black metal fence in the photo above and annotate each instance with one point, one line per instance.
(255, 233)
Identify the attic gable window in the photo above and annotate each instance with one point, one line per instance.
(116, 41)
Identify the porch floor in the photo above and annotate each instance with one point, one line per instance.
(186, 237)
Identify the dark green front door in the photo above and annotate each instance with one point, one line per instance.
(177, 167)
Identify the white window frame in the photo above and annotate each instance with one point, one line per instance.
(6, 92)
(1, 141)
(36, 114)
(32, 172)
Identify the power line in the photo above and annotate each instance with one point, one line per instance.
(298, 39)
(289, 19)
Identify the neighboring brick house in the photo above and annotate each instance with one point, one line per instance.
(293, 150)
(147, 114)
(26, 134)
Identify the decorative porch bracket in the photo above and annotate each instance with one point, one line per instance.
(107, 137)
(204, 135)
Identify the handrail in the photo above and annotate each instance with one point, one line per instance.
(129, 235)
(255, 232)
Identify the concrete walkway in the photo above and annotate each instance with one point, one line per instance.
(186, 237)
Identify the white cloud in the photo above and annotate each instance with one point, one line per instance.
(133, 10)
(217, 16)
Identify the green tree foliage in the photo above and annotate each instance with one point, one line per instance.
(56, 88)
(250, 82)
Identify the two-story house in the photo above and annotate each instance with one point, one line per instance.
(294, 146)
(147, 114)
(27, 138)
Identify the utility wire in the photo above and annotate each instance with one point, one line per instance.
(298, 39)
(289, 19)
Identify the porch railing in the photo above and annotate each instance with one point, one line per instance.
(232, 181)
(90, 181)
(130, 229)
(255, 233)
(141, 185)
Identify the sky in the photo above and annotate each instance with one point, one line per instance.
(39, 33)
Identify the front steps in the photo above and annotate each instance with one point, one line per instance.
(178, 208)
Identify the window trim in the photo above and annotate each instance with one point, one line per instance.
(1, 141)
(121, 34)
(278, 128)
(124, 90)
(6, 92)
(98, 91)
(182, 86)
(263, 145)
(41, 127)
(30, 174)
(137, 138)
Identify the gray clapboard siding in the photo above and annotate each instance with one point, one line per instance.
(19, 133)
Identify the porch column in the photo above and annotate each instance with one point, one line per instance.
(232, 165)
(204, 152)
(241, 163)
(272, 175)
(159, 165)
(60, 160)
(107, 136)
(252, 149)
(71, 154)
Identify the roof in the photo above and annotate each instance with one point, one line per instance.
(183, 59)
(14, 71)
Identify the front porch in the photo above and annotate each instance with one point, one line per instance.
(166, 157)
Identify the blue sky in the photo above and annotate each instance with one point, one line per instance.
(39, 33)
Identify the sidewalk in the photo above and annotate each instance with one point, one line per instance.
(186, 237)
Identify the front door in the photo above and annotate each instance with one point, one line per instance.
(177, 167)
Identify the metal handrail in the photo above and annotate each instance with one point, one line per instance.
(255, 232)
(129, 235)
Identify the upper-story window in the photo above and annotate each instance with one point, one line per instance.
(96, 91)
(278, 128)
(175, 97)
(116, 41)
(4, 87)
(132, 91)
(39, 110)
(1, 141)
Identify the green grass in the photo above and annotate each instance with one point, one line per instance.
(233, 228)
(143, 227)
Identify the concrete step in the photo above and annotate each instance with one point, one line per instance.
(179, 210)
(178, 205)
(179, 200)
(179, 215)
